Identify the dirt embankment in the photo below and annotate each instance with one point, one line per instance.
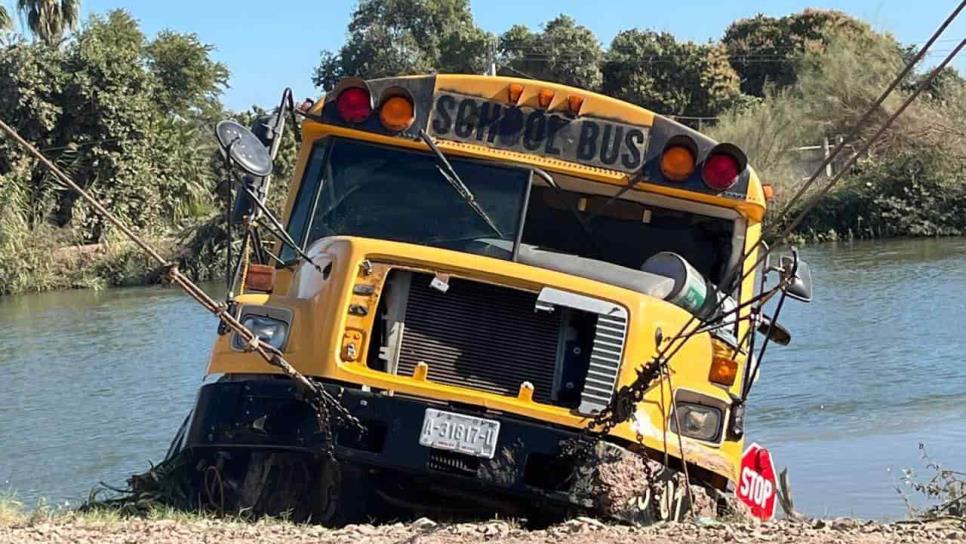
(424, 531)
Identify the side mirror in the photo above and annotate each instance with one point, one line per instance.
(243, 149)
(800, 287)
(775, 332)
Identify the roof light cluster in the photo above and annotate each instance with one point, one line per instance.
(514, 92)
(720, 170)
(354, 104)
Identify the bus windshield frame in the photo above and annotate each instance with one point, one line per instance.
(357, 188)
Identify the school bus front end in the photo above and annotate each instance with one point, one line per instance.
(489, 262)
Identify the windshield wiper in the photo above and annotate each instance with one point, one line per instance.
(446, 169)
(276, 229)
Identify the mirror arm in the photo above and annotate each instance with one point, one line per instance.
(767, 340)
(287, 102)
(794, 270)
(230, 271)
(278, 230)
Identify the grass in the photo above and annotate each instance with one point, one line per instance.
(47, 259)
(13, 513)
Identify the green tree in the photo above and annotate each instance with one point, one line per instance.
(395, 37)
(654, 70)
(31, 86)
(767, 49)
(188, 79)
(106, 69)
(128, 119)
(564, 52)
(49, 20)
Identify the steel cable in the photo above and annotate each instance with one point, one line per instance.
(608, 417)
(272, 356)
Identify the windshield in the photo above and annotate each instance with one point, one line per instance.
(627, 233)
(359, 189)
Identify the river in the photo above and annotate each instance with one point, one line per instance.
(94, 384)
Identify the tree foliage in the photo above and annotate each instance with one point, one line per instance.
(101, 107)
(188, 80)
(910, 183)
(564, 52)
(6, 23)
(393, 37)
(767, 49)
(656, 71)
(49, 20)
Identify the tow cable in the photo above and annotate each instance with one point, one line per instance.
(621, 407)
(328, 410)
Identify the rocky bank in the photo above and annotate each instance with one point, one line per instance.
(69, 528)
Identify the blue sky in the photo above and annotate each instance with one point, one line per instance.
(271, 45)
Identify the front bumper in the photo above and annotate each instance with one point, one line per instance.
(531, 462)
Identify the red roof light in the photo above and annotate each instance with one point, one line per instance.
(720, 171)
(354, 104)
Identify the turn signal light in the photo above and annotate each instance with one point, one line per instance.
(544, 98)
(677, 163)
(514, 92)
(354, 104)
(723, 371)
(397, 113)
(260, 277)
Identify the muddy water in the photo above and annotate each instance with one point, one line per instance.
(93, 385)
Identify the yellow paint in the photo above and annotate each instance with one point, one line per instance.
(322, 328)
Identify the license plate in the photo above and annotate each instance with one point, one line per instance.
(457, 432)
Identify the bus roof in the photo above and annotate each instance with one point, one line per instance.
(548, 125)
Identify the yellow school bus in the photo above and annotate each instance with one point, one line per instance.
(479, 265)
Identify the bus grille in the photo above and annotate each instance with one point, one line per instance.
(479, 336)
(605, 363)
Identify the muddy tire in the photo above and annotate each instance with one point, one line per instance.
(277, 485)
(302, 488)
(327, 501)
(344, 495)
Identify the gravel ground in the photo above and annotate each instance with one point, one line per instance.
(578, 531)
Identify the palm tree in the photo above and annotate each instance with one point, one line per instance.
(50, 19)
(5, 21)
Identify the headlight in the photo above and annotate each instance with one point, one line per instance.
(269, 330)
(697, 421)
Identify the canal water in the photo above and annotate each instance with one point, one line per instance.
(94, 384)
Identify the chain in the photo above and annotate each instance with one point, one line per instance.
(619, 410)
(622, 407)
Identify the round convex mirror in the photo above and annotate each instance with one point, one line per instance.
(244, 148)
